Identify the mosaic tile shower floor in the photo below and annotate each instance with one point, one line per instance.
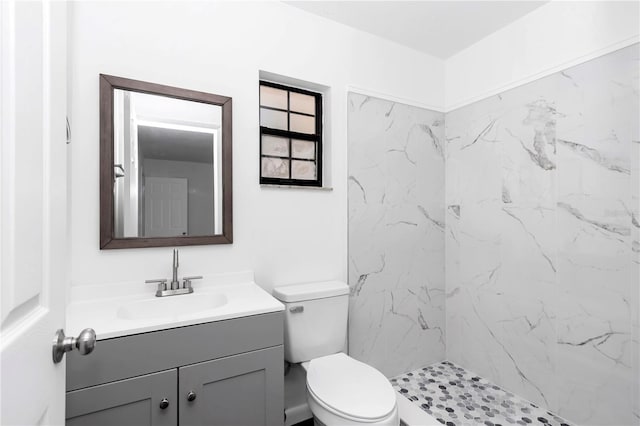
(457, 397)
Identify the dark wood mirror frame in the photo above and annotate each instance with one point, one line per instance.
(107, 239)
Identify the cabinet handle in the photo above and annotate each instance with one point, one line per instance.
(164, 403)
(191, 396)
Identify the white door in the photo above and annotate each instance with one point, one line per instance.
(33, 200)
(165, 207)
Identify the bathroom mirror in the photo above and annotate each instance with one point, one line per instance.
(165, 165)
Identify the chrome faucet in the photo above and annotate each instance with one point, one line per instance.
(175, 287)
(175, 284)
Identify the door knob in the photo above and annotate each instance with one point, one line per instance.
(84, 343)
(191, 396)
(164, 403)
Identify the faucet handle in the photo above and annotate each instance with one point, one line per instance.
(162, 283)
(187, 280)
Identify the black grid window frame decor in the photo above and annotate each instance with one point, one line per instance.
(290, 135)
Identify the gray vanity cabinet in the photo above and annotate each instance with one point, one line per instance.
(232, 368)
(232, 391)
(133, 402)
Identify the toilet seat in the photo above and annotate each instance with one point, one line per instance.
(350, 389)
(326, 413)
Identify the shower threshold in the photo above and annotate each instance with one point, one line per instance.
(450, 395)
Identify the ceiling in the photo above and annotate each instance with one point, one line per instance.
(438, 28)
(175, 145)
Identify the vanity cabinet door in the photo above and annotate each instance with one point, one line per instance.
(134, 402)
(242, 390)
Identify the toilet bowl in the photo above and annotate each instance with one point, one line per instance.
(340, 389)
(344, 391)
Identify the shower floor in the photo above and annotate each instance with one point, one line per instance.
(456, 397)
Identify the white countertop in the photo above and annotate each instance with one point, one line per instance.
(98, 306)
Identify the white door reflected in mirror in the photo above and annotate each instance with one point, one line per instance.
(166, 207)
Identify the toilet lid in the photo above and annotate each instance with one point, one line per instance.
(351, 387)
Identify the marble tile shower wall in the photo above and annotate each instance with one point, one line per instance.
(543, 240)
(539, 238)
(396, 234)
(635, 248)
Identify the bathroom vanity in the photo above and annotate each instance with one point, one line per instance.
(218, 366)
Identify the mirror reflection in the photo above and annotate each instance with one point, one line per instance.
(167, 166)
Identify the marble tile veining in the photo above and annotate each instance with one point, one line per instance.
(541, 272)
(457, 397)
(525, 268)
(396, 234)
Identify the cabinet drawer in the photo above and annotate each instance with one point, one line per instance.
(134, 402)
(129, 356)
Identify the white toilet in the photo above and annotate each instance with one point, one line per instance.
(340, 389)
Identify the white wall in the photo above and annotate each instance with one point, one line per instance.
(553, 37)
(283, 235)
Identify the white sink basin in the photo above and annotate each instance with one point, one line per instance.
(127, 308)
(171, 306)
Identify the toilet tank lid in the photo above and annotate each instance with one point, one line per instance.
(310, 291)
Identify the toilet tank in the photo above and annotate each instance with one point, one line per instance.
(315, 319)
